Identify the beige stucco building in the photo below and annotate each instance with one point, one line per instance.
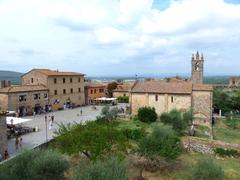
(168, 94)
(122, 90)
(23, 99)
(65, 88)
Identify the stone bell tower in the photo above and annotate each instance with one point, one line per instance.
(197, 69)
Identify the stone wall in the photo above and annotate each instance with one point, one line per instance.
(118, 94)
(202, 107)
(3, 102)
(34, 78)
(3, 134)
(164, 102)
(14, 103)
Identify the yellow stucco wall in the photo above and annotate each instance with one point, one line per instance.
(164, 103)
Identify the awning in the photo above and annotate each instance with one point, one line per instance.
(106, 99)
(14, 120)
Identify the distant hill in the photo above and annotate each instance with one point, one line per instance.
(217, 79)
(14, 77)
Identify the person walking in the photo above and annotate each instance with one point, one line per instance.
(52, 118)
(6, 155)
(20, 142)
(81, 111)
(16, 142)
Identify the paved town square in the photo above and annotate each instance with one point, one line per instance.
(34, 139)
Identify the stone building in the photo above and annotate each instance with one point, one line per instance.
(3, 133)
(122, 90)
(64, 88)
(234, 82)
(183, 95)
(93, 91)
(23, 99)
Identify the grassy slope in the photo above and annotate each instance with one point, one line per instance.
(231, 166)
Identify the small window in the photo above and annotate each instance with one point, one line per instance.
(64, 91)
(71, 90)
(64, 80)
(55, 92)
(32, 80)
(22, 98)
(79, 79)
(70, 80)
(156, 97)
(95, 91)
(45, 95)
(36, 96)
(55, 80)
(172, 99)
(79, 89)
(91, 91)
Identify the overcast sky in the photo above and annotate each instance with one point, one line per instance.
(120, 37)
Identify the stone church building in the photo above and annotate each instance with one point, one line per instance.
(175, 93)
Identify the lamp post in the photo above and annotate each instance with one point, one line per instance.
(46, 128)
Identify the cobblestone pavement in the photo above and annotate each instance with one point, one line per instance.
(34, 139)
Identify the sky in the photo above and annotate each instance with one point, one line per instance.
(120, 37)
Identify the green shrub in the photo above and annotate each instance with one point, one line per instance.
(177, 120)
(108, 114)
(34, 165)
(18, 167)
(147, 114)
(93, 139)
(109, 169)
(123, 99)
(227, 152)
(161, 142)
(206, 169)
(134, 134)
(48, 165)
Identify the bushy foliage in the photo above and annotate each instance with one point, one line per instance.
(123, 99)
(161, 142)
(177, 120)
(206, 169)
(110, 87)
(232, 121)
(34, 165)
(227, 152)
(48, 165)
(94, 139)
(109, 169)
(134, 134)
(147, 114)
(108, 114)
(226, 101)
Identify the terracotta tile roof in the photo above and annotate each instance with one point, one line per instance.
(94, 85)
(163, 87)
(202, 87)
(173, 87)
(123, 87)
(24, 88)
(50, 72)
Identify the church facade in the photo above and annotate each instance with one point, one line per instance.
(175, 93)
